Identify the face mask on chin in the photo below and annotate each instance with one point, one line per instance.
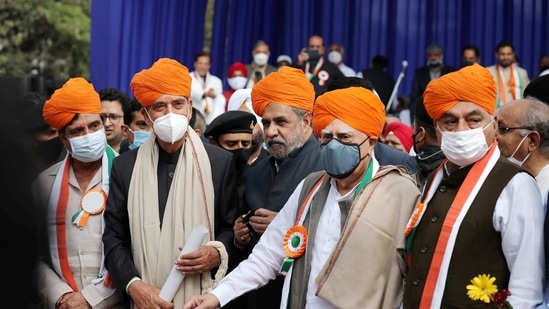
(512, 157)
(89, 147)
(464, 147)
(341, 159)
(170, 128)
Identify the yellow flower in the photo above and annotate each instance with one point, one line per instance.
(481, 288)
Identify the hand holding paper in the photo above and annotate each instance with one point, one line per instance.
(175, 278)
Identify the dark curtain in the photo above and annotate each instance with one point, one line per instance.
(398, 29)
(130, 35)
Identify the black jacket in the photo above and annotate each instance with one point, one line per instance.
(117, 238)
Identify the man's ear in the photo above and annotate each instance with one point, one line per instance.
(307, 120)
(534, 140)
(124, 130)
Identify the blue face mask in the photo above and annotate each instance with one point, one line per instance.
(139, 137)
(340, 159)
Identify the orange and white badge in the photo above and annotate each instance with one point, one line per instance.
(92, 203)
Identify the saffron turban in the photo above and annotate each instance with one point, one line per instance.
(77, 96)
(402, 131)
(358, 107)
(165, 76)
(289, 86)
(473, 84)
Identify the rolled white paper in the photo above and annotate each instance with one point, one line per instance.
(175, 278)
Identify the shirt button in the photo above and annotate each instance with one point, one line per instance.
(434, 218)
(415, 282)
(423, 250)
(442, 189)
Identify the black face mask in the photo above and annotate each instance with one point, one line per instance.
(414, 143)
(240, 157)
(50, 150)
(467, 63)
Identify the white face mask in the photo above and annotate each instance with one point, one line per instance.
(512, 157)
(237, 82)
(335, 57)
(464, 147)
(261, 59)
(170, 127)
(89, 147)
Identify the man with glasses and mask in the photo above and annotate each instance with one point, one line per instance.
(135, 127)
(341, 228)
(480, 214)
(161, 191)
(72, 195)
(523, 138)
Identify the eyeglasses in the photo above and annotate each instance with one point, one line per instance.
(113, 117)
(176, 104)
(505, 130)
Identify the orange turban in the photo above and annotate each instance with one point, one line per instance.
(358, 107)
(289, 86)
(166, 76)
(77, 96)
(473, 84)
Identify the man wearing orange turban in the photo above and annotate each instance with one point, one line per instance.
(71, 196)
(162, 190)
(348, 220)
(476, 201)
(284, 100)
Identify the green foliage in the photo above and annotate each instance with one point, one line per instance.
(45, 38)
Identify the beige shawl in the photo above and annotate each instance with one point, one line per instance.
(367, 268)
(190, 202)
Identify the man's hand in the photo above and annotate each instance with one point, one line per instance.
(199, 261)
(73, 300)
(241, 232)
(302, 57)
(147, 296)
(211, 93)
(261, 219)
(208, 301)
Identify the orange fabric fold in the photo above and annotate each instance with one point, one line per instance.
(472, 84)
(358, 107)
(289, 86)
(77, 96)
(165, 76)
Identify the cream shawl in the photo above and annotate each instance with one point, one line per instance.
(190, 202)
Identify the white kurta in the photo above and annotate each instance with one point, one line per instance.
(267, 256)
(199, 87)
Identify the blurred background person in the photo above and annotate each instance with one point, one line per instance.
(399, 136)
(236, 78)
(336, 55)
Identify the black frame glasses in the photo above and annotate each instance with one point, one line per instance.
(505, 130)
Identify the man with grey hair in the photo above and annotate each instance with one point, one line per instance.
(433, 69)
(523, 137)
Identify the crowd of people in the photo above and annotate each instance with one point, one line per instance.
(314, 189)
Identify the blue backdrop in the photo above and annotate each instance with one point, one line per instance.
(129, 35)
